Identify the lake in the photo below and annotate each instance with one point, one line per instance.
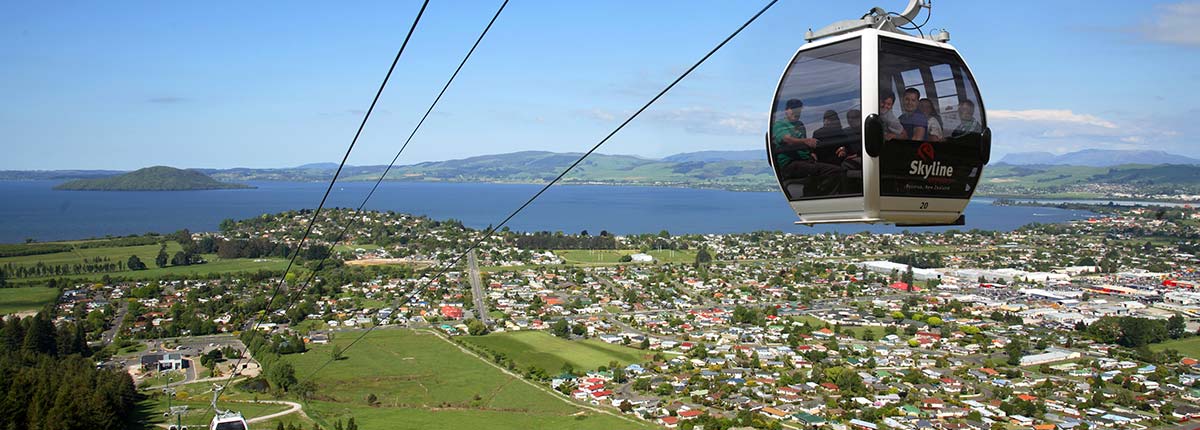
(32, 209)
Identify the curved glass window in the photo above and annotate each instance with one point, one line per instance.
(934, 95)
(933, 121)
(816, 123)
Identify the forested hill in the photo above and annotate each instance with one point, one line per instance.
(157, 178)
(730, 170)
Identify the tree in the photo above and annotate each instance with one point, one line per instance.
(282, 375)
(476, 328)
(135, 263)
(161, 259)
(1176, 326)
(1015, 349)
(702, 256)
(561, 328)
(625, 406)
(180, 259)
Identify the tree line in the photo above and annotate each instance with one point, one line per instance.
(548, 240)
(47, 381)
(41, 269)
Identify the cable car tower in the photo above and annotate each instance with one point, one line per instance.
(872, 124)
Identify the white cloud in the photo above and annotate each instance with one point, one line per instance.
(1050, 115)
(708, 121)
(1174, 23)
(600, 114)
(1062, 130)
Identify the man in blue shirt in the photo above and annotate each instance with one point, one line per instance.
(912, 119)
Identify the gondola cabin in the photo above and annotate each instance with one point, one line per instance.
(873, 125)
(225, 420)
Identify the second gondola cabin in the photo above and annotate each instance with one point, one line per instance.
(871, 124)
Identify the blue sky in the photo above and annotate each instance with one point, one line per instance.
(122, 85)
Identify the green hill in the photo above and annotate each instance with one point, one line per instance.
(157, 178)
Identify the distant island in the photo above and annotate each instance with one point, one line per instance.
(157, 178)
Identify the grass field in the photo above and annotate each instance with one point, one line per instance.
(1189, 347)
(421, 381)
(856, 331)
(535, 348)
(198, 414)
(614, 255)
(25, 299)
(146, 253)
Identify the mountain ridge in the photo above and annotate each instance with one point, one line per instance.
(1097, 158)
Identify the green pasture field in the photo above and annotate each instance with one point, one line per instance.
(116, 253)
(421, 381)
(146, 253)
(614, 255)
(543, 350)
(351, 248)
(1189, 347)
(454, 418)
(855, 331)
(25, 299)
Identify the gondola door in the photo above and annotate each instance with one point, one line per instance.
(935, 140)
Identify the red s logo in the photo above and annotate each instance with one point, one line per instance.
(925, 152)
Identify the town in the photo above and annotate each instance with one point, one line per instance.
(1083, 325)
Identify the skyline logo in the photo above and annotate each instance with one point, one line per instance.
(926, 166)
(925, 152)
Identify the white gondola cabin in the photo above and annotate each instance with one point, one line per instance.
(873, 125)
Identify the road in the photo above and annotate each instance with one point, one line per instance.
(111, 333)
(294, 407)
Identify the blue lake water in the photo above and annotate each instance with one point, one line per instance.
(32, 209)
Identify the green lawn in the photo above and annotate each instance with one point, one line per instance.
(198, 413)
(855, 331)
(25, 299)
(614, 255)
(146, 253)
(535, 348)
(421, 381)
(1189, 347)
(116, 253)
(351, 248)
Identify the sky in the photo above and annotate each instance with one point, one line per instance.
(124, 85)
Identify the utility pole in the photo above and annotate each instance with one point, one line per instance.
(177, 411)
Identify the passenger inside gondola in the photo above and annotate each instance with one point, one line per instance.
(966, 120)
(934, 123)
(794, 153)
(891, 126)
(851, 154)
(831, 139)
(914, 122)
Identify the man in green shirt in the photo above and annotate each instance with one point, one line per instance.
(793, 152)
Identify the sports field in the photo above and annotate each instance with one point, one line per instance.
(1189, 347)
(424, 382)
(543, 350)
(614, 255)
(25, 299)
